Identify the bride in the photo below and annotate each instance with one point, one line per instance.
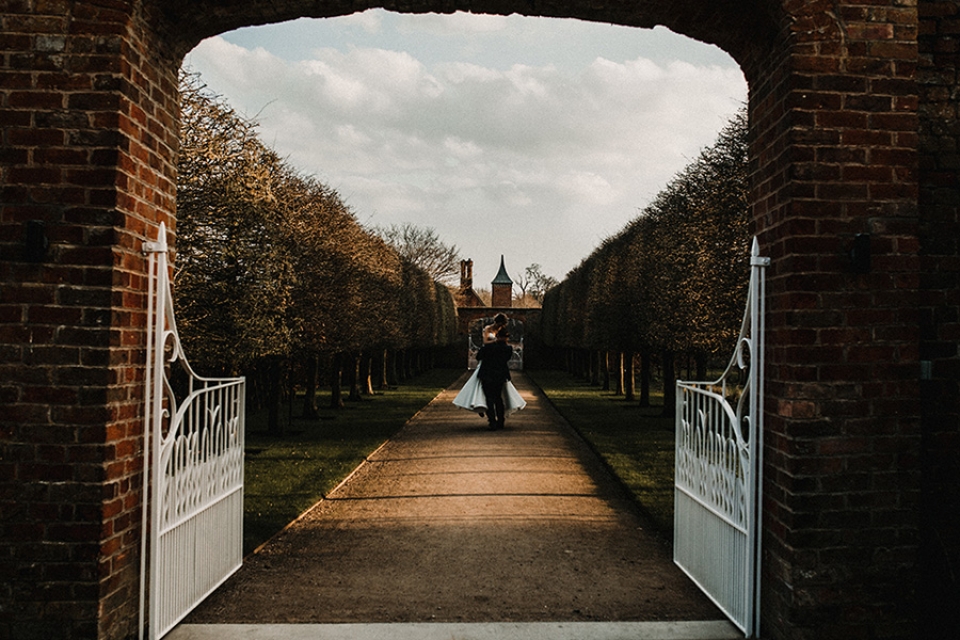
(471, 396)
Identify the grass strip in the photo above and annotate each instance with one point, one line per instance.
(636, 442)
(286, 475)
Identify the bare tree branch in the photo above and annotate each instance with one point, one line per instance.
(423, 247)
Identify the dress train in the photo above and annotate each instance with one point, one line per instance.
(471, 396)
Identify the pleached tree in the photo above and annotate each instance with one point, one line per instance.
(673, 281)
(274, 274)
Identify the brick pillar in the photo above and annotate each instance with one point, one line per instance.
(939, 44)
(834, 120)
(87, 118)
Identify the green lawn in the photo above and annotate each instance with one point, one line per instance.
(284, 476)
(635, 442)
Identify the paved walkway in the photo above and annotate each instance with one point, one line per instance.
(453, 531)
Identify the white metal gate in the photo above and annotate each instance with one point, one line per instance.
(717, 493)
(193, 464)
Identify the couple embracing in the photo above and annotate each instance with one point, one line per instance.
(489, 390)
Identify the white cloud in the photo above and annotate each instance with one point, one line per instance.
(559, 157)
(369, 21)
(451, 24)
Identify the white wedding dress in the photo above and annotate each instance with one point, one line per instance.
(471, 396)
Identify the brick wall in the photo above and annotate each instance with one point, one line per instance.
(87, 110)
(835, 136)
(87, 119)
(939, 44)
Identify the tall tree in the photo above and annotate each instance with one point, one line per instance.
(535, 283)
(673, 281)
(233, 279)
(275, 270)
(541, 282)
(423, 247)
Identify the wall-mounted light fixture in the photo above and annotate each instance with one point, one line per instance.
(860, 253)
(35, 241)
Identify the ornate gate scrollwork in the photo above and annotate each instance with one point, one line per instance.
(717, 493)
(193, 468)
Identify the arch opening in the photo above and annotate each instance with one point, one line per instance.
(615, 73)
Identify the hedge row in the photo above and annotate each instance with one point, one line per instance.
(273, 271)
(673, 282)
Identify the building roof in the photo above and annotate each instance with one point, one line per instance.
(502, 277)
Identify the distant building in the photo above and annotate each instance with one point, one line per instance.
(473, 314)
(502, 288)
(466, 296)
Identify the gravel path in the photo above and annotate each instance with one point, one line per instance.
(450, 522)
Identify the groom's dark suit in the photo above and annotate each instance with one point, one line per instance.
(493, 374)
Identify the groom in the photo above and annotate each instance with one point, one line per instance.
(494, 374)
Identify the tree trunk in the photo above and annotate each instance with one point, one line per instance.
(701, 358)
(310, 367)
(393, 375)
(381, 369)
(606, 370)
(669, 385)
(352, 368)
(336, 376)
(273, 398)
(291, 392)
(645, 378)
(629, 383)
(253, 389)
(366, 374)
(618, 372)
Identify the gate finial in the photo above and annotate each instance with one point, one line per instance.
(160, 246)
(756, 260)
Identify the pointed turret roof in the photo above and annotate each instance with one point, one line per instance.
(502, 277)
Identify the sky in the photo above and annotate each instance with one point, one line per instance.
(530, 138)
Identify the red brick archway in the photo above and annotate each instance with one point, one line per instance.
(853, 107)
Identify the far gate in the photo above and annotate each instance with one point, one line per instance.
(717, 496)
(193, 453)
